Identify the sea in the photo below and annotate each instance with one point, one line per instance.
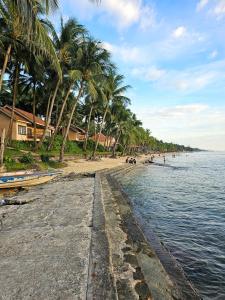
(183, 202)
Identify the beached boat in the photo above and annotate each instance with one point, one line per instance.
(25, 179)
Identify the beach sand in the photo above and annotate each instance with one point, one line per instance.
(86, 166)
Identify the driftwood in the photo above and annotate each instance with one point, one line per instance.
(14, 201)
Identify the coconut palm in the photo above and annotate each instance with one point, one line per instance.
(91, 61)
(14, 32)
(111, 91)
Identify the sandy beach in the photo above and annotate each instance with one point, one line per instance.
(86, 166)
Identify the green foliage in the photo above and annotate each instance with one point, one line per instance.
(45, 158)
(16, 166)
(27, 158)
(73, 148)
(22, 145)
(9, 160)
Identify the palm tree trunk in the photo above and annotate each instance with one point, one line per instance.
(61, 156)
(5, 64)
(48, 118)
(34, 114)
(15, 87)
(2, 148)
(100, 131)
(88, 127)
(114, 146)
(48, 105)
(60, 117)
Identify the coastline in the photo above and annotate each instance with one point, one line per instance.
(116, 260)
(163, 271)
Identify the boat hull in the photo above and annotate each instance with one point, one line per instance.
(24, 181)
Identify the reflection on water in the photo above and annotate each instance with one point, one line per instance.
(184, 202)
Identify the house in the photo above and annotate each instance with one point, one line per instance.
(106, 141)
(75, 133)
(23, 124)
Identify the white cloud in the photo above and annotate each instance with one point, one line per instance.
(125, 53)
(179, 32)
(213, 54)
(148, 73)
(195, 124)
(180, 111)
(201, 4)
(120, 13)
(183, 81)
(219, 9)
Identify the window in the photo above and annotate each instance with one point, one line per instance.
(22, 130)
(29, 132)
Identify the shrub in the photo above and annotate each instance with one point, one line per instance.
(73, 148)
(26, 158)
(8, 159)
(22, 145)
(45, 158)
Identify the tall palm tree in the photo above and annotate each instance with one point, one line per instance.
(112, 91)
(91, 61)
(66, 45)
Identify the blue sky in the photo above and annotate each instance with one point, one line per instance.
(173, 55)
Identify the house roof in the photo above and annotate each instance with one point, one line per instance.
(6, 112)
(77, 129)
(22, 115)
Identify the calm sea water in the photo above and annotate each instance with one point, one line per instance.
(184, 203)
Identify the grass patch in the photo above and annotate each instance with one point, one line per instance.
(17, 166)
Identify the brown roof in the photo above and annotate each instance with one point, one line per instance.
(22, 115)
(77, 129)
(6, 112)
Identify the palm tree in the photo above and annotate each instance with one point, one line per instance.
(91, 61)
(14, 33)
(67, 44)
(112, 91)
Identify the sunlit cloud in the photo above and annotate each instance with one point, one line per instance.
(125, 53)
(219, 9)
(184, 81)
(119, 13)
(213, 54)
(194, 124)
(201, 4)
(179, 32)
(150, 74)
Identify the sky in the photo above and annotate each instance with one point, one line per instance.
(172, 53)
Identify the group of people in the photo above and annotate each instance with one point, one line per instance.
(131, 160)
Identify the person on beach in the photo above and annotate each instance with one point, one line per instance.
(134, 161)
(131, 160)
(164, 159)
(127, 160)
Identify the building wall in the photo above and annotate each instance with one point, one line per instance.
(4, 123)
(73, 136)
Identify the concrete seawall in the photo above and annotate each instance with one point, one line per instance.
(77, 238)
(141, 268)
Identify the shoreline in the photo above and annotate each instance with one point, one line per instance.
(119, 260)
(181, 287)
